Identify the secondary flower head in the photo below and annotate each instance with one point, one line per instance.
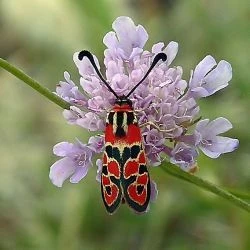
(76, 161)
(165, 103)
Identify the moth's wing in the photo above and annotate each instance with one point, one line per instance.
(111, 180)
(135, 178)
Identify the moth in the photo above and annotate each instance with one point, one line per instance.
(125, 177)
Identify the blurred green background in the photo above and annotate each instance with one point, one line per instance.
(40, 37)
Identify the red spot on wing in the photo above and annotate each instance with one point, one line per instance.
(111, 198)
(105, 180)
(142, 158)
(138, 198)
(142, 179)
(131, 168)
(105, 159)
(113, 169)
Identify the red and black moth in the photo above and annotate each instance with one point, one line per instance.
(124, 176)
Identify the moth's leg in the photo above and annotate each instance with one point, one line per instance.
(156, 127)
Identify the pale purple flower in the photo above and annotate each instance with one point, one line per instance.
(154, 144)
(96, 143)
(76, 161)
(170, 50)
(99, 170)
(209, 141)
(87, 120)
(165, 104)
(91, 121)
(208, 77)
(184, 156)
(70, 92)
(127, 41)
(84, 66)
(154, 191)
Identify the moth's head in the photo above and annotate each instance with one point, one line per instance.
(123, 100)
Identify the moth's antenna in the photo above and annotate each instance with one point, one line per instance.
(87, 54)
(161, 56)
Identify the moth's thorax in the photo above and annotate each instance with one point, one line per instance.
(120, 120)
(123, 104)
(122, 108)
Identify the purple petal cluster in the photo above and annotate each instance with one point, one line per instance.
(165, 104)
(209, 140)
(76, 160)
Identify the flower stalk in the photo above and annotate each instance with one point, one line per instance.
(34, 84)
(198, 181)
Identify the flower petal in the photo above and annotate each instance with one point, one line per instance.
(198, 92)
(220, 146)
(157, 48)
(110, 40)
(171, 51)
(79, 174)
(154, 191)
(61, 170)
(208, 140)
(202, 69)
(218, 126)
(201, 125)
(135, 52)
(184, 156)
(127, 31)
(142, 36)
(91, 121)
(99, 170)
(73, 114)
(219, 77)
(84, 66)
(209, 153)
(96, 143)
(129, 36)
(226, 144)
(63, 149)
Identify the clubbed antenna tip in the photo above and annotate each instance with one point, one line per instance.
(161, 56)
(84, 53)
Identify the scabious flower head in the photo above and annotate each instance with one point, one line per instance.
(165, 103)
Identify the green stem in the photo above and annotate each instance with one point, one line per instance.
(34, 84)
(241, 194)
(177, 172)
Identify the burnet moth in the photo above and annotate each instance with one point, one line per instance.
(124, 176)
